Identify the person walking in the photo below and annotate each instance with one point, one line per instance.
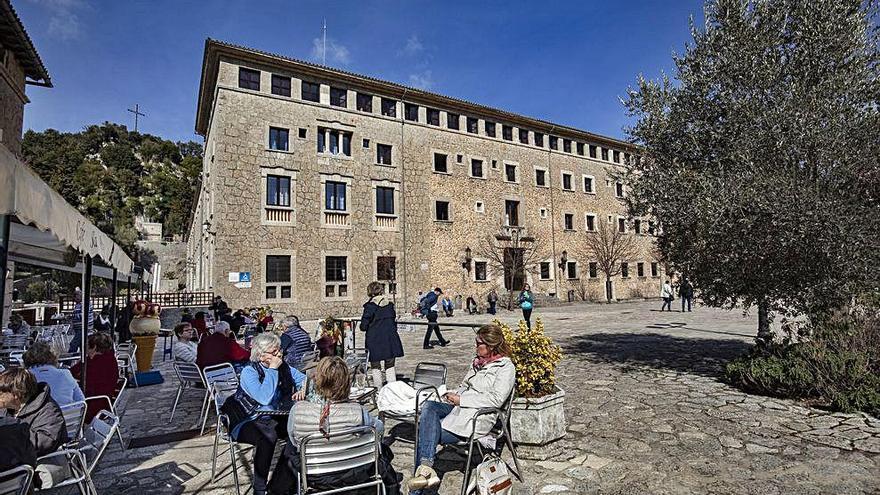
(429, 309)
(526, 303)
(666, 294)
(492, 299)
(382, 341)
(686, 293)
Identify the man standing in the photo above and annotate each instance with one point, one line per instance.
(76, 325)
(492, 299)
(429, 309)
(686, 293)
(667, 295)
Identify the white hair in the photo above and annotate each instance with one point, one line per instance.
(262, 343)
(221, 327)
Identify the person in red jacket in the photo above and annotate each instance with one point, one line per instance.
(102, 372)
(220, 347)
(199, 324)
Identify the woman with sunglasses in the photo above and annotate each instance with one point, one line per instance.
(488, 383)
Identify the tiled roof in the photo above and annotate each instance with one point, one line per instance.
(14, 37)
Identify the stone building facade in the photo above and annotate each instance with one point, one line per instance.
(318, 181)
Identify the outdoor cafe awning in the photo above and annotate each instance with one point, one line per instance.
(44, 226)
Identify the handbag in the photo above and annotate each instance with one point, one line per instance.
(492, 477)
(526, 305)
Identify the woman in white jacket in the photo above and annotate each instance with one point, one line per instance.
(488, 383)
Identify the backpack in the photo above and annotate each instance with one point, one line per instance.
(492, 477)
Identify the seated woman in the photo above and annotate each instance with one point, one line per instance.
(335, 412)
(487, 383)
(17, 326)
(272, 385)
(32, 403)
(102, 372)
(42, 362)
(185, 350)
(220, 347)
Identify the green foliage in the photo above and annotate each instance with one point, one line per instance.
(112, 175)
(839, 366)
(762, 163)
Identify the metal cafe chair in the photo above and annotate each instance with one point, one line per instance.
(74, 415)
(113, 404)
(17, 481)
(188, 376)
(339, 451)
(219, 379)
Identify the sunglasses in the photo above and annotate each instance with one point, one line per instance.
(479, 342)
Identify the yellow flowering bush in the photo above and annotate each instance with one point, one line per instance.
(535, 356)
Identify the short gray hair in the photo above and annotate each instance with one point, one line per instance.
(220, 327)
(289, 321)
(262, 343)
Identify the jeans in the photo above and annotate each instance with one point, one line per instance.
(688, 299)
(492, 307)
(263, 433)
(431, 433)
(667, 303)
(433, 327)
(527, 315)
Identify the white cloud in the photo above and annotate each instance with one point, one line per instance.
(421, 80)
(336, 52)
(63, 20)
(412, 47)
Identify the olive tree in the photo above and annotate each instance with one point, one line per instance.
(760, 155)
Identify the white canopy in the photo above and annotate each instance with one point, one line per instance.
(48, 225)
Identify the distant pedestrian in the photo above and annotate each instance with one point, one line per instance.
(666, 294)
(448, 308)
(471, 305)
(382, 341)
(429, 308)
(76, 323)
(686, 293)
(492, 299)
(526, 303)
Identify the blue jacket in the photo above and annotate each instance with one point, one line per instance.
(266, 391)
(428, 301)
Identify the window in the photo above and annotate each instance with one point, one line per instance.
(278, 277)
(507, 132)
(389, 107)
(544, 268)
(364, 102)
(592, 151)
(540, 177)
(571, 270)
(480, 271)
(386, 272)
(616, 155)
(589, 184)
(280, 85)
(440, 163)
(441, 211)
(539, 139)
(566, 145)
(385, 200)
(650, 227)
(524, 136)
(278, 138)
(433, 116)
(566, 182)
(334, 141)
(618, 189)
(479, 207)
(626, 159)
(640, 269)
(511, 213)
(459, 157)
(338, 97)
(248, 79)
(494, 164)
(655, 272)
(452, 120)
(624, 269)
(637, 226)
(277, 190)
(366, 143)
(510, 172)
(621, 225)
(490, 129)
(411, 112)
(605, 154)
(593, 268)
(476, 168)
(554, 143)
(311, 91)
(580, 149)
(568, 221)
(303, 132)
(336, 276)
(334, 196)
(543, 212)
(472, 125)
(591, 223)
(383, 154)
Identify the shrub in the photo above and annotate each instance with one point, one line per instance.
(839, 366)
(535, 356)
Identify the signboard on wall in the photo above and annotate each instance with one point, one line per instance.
(242, 280)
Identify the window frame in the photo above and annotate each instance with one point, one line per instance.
(325, 133)
(380, 147)
(550, 273)
(337, 284)
(486, 277)
(453, 117)
(279, 179)
(568, 222)
(592, 184)
(430, 113)
(280, 91)
(569, 265)
(338, 97)
(410, 112)
(487, 125)
(364, 102)
(249, 81)
(562, 175)
(279, 130)
(587, 217)
(483, 165)
(308, 84)
(516, 174)
(434, 156)
(388, 107)
(277, 285)
(265, 172)
(435, 211)
(546, 174)
(472, 125)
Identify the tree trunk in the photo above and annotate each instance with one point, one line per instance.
(608, 289)
(764, 334)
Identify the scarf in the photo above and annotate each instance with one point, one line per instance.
(480, 362)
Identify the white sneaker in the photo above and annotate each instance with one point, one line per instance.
(425, 477)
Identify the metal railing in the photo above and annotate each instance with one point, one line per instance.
(164, 299)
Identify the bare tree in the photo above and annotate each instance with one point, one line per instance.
(511, 252)
(608, 246)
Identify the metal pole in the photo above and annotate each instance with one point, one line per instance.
(84, 317)
(4, 258)
(114, 293)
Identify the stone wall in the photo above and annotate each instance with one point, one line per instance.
(12, 101)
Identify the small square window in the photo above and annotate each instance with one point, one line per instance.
(495, 164)
(479, 207)
(441, 211)
(440, 163)
(452, 120)
(433, 116)
(311, 91)
(248, 79)
(490, 129)
(338, 97)
(477, 168)
(459, 158)
(411, 112)
(588, 185)
(383, 154)
(364, 102)
(543, 212)
(473, 125)
(389, 107)
(303, 132)
(366, 143)
(280, 85)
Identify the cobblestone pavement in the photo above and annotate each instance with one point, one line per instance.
(645, 408)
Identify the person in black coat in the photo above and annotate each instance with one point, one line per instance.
(383, 342)
(16, 448)
(33, 405)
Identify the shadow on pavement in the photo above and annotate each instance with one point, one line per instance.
(700, 356)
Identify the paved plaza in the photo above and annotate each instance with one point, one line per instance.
(646, 413)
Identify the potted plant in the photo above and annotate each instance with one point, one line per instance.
(537, 416)
(144, 329)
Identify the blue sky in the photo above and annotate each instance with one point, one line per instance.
(567, 62)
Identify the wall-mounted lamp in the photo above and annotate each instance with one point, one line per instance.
(466, 264)
(563, 260)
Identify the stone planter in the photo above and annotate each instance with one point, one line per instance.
(538, 421)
